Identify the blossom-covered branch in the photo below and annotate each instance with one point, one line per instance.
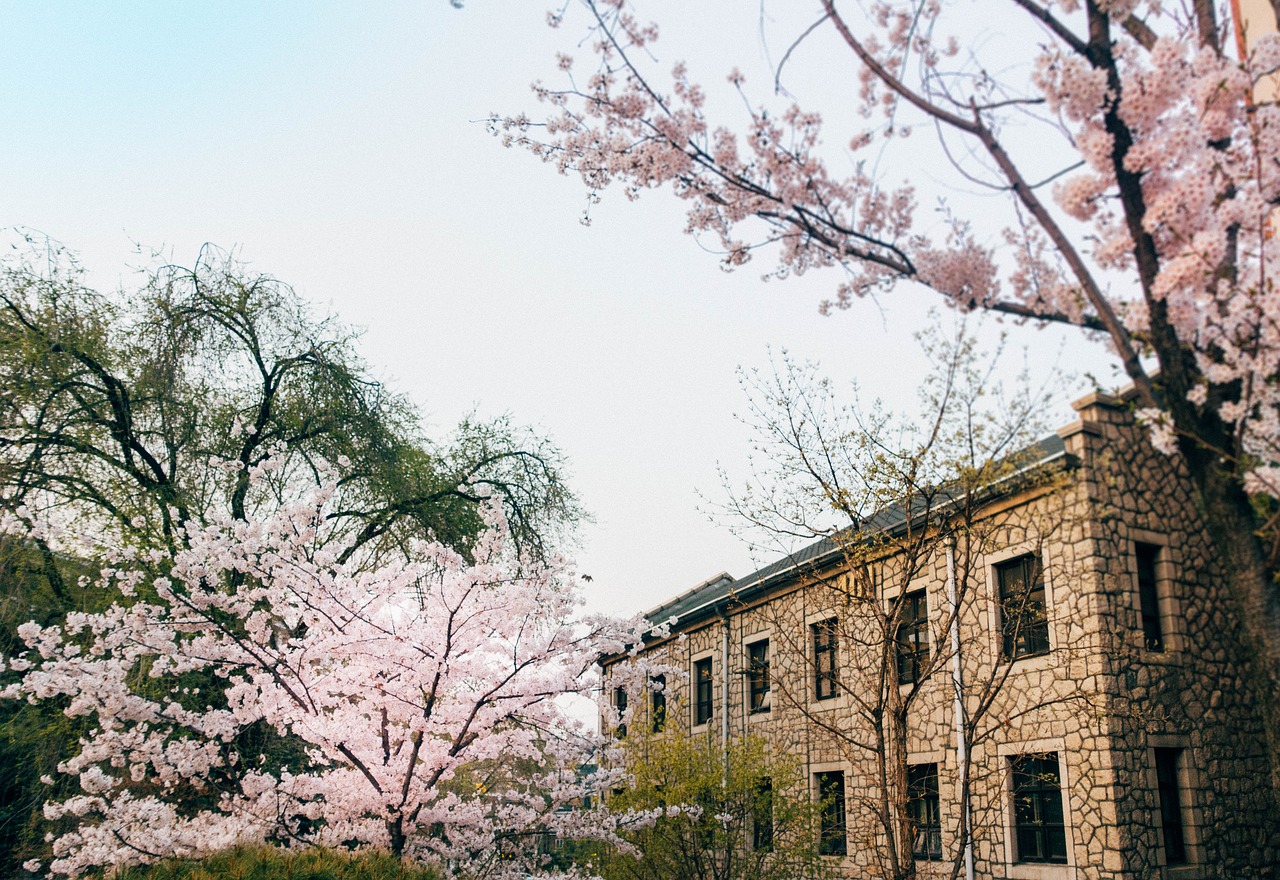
(425, 697)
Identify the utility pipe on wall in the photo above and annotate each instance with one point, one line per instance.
(957, 682)
(724, 706)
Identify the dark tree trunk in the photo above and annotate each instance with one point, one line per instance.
(1232, 525)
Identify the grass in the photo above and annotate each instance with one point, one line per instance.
(270, 863)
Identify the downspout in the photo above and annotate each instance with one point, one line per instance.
(957, 683)
(724, 706)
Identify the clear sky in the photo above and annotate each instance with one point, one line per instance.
(338, 146)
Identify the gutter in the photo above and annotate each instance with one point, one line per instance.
(709, 606)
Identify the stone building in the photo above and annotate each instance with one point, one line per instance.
(1050, 659)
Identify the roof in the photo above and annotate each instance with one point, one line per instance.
(709, 596)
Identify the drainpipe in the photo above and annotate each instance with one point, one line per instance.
(724, 706)
(957, 683)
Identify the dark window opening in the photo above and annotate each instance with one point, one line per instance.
(658, 703)
(620, 703)
(925, 811)
(758, 676)
(824, 659)
(1024, 620)
(1175, 843)
(1039, 828)
(831, 840)
(913, 637)
(703, 693)
(762, 816)
(1149, 597)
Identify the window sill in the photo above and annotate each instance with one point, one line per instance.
(826, 705)
(1185, 872)
(1160, 658)
(1036, 871)
(1031, 663)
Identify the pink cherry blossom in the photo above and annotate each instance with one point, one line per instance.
(428, 694)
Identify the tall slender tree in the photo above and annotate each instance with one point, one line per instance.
(1128, 149)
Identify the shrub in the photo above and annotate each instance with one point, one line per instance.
(270, 863)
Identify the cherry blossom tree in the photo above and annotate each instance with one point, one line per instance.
(428, 692)
(1131, 155)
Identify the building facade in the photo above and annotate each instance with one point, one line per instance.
(1060, 673)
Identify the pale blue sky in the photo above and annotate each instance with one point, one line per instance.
(337, 146)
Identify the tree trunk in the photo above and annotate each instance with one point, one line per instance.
(395, 833)
(1232, 526)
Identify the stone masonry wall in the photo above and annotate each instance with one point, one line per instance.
(1099, 699)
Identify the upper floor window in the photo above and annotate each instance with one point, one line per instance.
(831, 831)
(702, 691)
(620, 703)
(1039, 826)
(824, 658)
(1148, 555)
(658, 703)
(925, 811)
(1175, 839)
(758, 676)
(1024, 619)
(912, 637)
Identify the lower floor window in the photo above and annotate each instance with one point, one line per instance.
(1175, 843)
(831, 841)
(1039, 829)
(925, 811)
(762, 816)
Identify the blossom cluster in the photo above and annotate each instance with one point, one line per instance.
(1148, 125)
(425, 695)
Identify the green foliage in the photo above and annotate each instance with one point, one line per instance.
(268, 863)
(134, 414)
(744, 815)
(126, 416)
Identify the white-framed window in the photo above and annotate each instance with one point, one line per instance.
(702, 689)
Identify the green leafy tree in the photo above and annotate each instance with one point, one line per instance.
(126, 417)
(722, 814)
(136, 413)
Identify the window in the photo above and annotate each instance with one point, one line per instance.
(658, 703)
(824, 659)
(762, 816)
(1149, 597)
(831, 840)
(620, 703)
(758, 676)
(925, 811)
(1024, 622)
(913, 637)
(1039, 829)
(1175, 841)
(703, 691)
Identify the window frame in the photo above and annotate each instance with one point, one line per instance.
(924, 807)
(658, 703)
(698, 704)
(762, 825)
(912, 642)
(828, 648)
(1191, 784)
(833, 826)
(759, 684)
(1167, 579)
(1025, 631)
(620, 701)
(1028, 772)
(1167, 763)
(1150, 611)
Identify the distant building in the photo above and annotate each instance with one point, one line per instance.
(1112, 729)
